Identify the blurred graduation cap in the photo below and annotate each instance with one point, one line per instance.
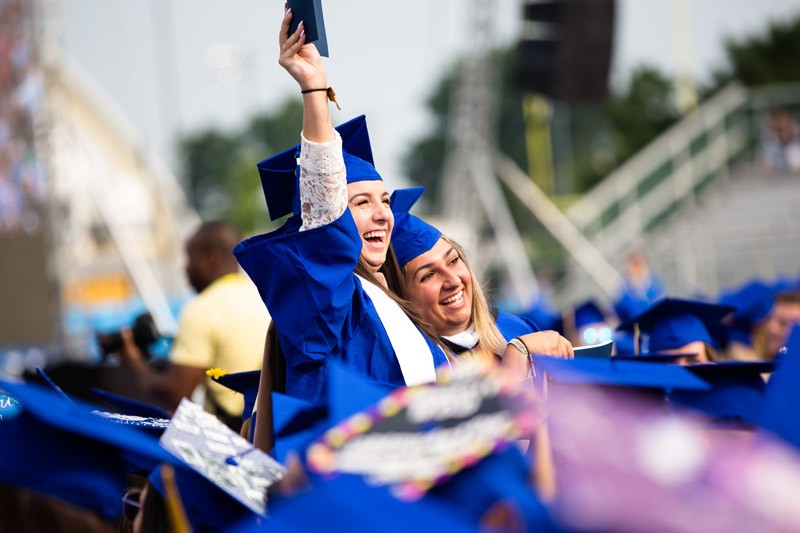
(129, 411)
(89, 465)
(587, 323)
(349, 501)
(229, 476)
(651, 357)
(129, 406)
(783, 393)
(500, 477)
(738, 392)
(752, 303)
(627, 306)
(543, 315)
(411, 236)
(298, 423)
(279, 173)
(245, 383)
(206, 506)
(626, 374)
(672, 323)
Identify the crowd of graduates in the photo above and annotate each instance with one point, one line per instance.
(393, 395)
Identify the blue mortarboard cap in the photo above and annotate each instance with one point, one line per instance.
(650, 357)
(737, 390)
(298, 423)
(499, 477)
(671, 322)
(543, 315)
(588, 312)
(628, 306)
(93, 454)
(129, 406)
(609, 372)
(279, 177)
(752, 303)
(349, 392)
(245, 383)
(411, 236)
(207, 507)
(783, 393)
(348, 499)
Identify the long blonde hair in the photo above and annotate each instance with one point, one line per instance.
(491, 342)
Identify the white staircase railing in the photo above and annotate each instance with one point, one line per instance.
(669, 170)
(664, 177)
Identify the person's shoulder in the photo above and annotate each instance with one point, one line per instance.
(511, 325)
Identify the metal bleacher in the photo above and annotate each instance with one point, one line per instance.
(692, 200)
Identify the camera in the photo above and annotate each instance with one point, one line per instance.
(144, 331)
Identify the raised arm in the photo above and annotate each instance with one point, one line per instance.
(304, 64)
(323, 185)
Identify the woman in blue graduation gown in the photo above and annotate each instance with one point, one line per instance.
(439, 280)
(324, 275)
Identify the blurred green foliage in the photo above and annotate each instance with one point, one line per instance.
(219, 168)
(589, 140)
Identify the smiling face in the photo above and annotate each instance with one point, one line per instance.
(440, 284)
(369, 204)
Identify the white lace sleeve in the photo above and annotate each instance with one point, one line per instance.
(323, 182)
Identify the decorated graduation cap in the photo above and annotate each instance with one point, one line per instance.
(738, 392)
(672, 323)
(60, 449)
(221, 477)
(280, 173)
(206, 507)
(618, 373)
(411, 236)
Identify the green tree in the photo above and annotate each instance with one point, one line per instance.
(764, 57)
(645, 109)
(219, 168)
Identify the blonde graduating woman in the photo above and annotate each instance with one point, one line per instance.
(440, 282)
(326, 275)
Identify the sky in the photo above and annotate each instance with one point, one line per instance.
(176, 66)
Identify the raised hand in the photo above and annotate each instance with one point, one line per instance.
(302, 61)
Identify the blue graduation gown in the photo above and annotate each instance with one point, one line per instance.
(511, 326)
(318, 305)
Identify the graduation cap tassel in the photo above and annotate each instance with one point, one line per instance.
(175, 510)
(332, 98)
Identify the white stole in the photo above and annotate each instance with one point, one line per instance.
(413, 353)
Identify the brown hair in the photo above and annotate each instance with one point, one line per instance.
(788, 297)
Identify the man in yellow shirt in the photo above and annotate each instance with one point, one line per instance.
(223, 327)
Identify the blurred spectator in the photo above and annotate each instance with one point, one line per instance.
(785, 314)
(641, 287)
(224, 327)
(780, 143)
